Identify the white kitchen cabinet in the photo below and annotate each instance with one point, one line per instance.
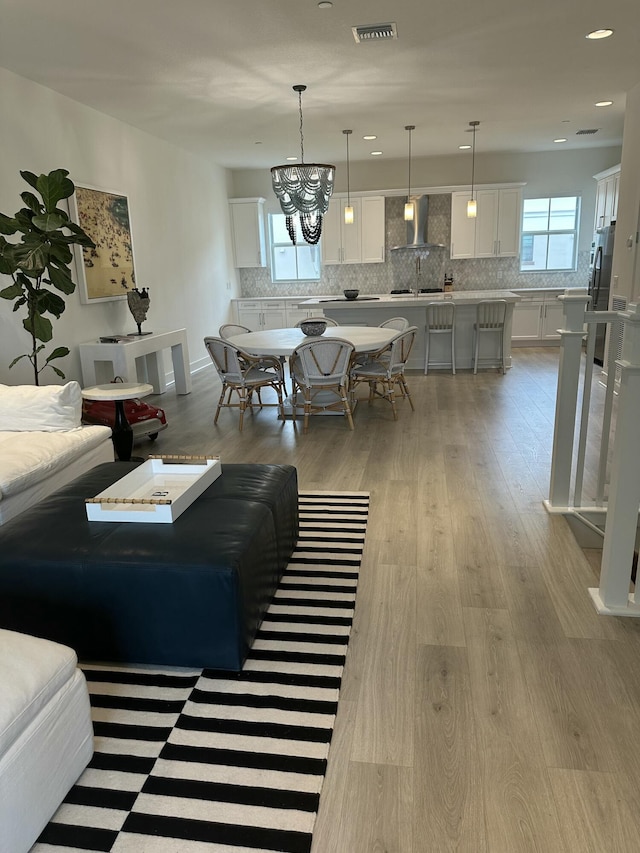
(247, 231)
(463, 228)
(260, 314)
(495, 231)
(607, 196)
(537, 318)
(296, 314)
(552, 319)
(362, 242)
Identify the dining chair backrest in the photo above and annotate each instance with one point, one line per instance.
(440, 316)
(491, 313)
(322, 361)
(225, 358)
(400, 349)
(399, 323)
(320, 319)
(228, 330)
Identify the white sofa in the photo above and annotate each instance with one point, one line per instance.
(46, 735)
(43, 445)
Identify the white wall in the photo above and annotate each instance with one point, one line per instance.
(179, 222)
(626, 252)
(546, 173)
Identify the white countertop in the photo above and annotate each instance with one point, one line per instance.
(384, 300)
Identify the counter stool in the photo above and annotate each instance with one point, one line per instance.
(441, 318)
(490, 317)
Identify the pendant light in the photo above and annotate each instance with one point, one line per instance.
(472, 204)
(408, 208)
(348, 211)
(303, 190)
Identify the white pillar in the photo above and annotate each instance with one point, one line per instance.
(574, 304)
(624, 489)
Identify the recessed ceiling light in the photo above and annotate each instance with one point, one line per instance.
(561, 139)
(325, 4)
(599, 34)
(376, 153)
(464, 147)
(604, 103)
(292, 158)
(369, 138)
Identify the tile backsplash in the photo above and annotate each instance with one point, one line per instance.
(400, 269)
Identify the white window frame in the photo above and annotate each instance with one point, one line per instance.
(575, 231)
(300, 241)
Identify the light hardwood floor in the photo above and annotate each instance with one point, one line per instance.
(486, 707)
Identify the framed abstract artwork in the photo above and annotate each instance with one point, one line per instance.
(106, 272)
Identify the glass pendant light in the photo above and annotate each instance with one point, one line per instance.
(303, 190)
(472, 204)
(348, 211)
(408, 208)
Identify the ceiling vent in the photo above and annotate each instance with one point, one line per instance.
(374, 32)
(587, 132)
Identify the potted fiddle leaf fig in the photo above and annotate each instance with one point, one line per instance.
(39, 261)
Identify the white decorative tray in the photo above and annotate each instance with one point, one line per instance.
(156, 492)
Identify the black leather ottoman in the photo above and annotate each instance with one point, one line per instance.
(191, 593)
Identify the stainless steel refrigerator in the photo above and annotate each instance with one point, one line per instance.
(600, 281)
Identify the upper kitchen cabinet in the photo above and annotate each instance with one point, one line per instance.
(247, 231)
(495, 232)
(362, 242)
(607, 196)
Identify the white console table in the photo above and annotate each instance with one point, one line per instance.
(139, 359)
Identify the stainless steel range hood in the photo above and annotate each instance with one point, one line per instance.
(417, 230)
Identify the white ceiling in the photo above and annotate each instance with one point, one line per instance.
(215, 76)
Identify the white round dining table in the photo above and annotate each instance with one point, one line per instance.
(282, 342)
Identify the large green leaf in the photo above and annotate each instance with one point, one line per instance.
(31, 201)
(54, 187)
(31, 257)
(61, 279)
(59, 352)
(8, 224)
(11, 292)
(60, 251)
(48, 222)
(50, 303)
(17, 359)
(30, 178)
(42, 328)
(82, 238)
(7, 257)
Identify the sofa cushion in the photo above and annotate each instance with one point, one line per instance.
(32, 670)
(29, 457)
(46, 408)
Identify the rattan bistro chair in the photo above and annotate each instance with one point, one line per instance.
(385, 370)
(242, 374)
(320, 376)
(399, 323)
(228, 330)
(490, 320)
(441, 320)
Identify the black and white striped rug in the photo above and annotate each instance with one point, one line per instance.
(188, 761)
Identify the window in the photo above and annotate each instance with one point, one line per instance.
(288, 262)
(549, 233)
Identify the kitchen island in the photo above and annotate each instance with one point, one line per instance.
(373, 309)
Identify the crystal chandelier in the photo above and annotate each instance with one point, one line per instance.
(303, 189)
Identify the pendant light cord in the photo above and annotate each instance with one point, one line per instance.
(473, 161)
(409, 187)
(348, 181)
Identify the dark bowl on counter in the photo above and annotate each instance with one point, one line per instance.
(351, 294)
